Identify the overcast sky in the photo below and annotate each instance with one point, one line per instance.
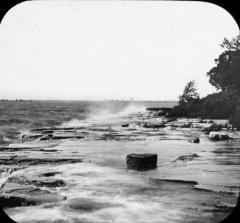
(109, 50)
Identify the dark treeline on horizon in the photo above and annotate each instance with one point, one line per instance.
(225, 77)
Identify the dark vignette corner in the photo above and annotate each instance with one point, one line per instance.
(6, 5)
(4, 217)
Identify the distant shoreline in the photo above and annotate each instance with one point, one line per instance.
(83, 100)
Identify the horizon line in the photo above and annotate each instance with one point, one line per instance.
(101, 100)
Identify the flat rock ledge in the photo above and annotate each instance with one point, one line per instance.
(24, 160)
(16, 195)
(187, 157)
(141, 162)
(38, 182)
(219, 136)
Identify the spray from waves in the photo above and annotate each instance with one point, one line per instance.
(105, 115)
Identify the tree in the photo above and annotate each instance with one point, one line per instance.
(225, 76)
(189, 94)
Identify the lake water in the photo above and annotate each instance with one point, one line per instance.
(192, 183)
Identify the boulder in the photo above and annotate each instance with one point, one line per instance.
(218, 136)
(194, 140)
(145, 161)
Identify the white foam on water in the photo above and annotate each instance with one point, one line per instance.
(105, 115)
(37, 213)
(75, 123)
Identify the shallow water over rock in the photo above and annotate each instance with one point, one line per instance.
(82, 176)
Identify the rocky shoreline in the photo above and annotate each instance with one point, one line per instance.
(41, 147)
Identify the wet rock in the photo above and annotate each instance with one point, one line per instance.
(185, 125)
(153, 109)
(10, 149)
(224, 208)
(51, 136)
(213, 127)
(174, 181)
(23, 160)
(187, 157)
(50, 174)
(39, 129)
(141, 161)
(219, 136)
(154, 126)
(158, 112)
(163, 109)
(14, 195)
(48, 150)
(30, 137)
(39, 182)
(12, 201)
(67, 137)
(161, 187)
(50, 183)
(47, 137)
(113, 136)
(47, 132)
(194, 140)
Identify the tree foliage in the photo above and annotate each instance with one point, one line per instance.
(214, 106)
(226, 74)
(190, 94)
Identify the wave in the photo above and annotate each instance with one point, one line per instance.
(104, 115)
(111, 112)
(13, 121)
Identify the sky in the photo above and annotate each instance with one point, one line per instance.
(97, 50)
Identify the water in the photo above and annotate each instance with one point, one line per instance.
(101, 188)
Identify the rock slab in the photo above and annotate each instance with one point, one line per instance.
(140, 162)
(194, 140)
(219, 136)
